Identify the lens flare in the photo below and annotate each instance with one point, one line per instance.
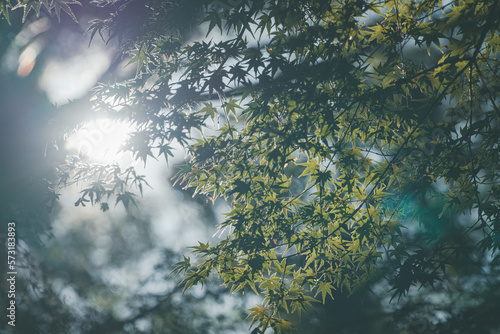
(27, 61)
(101, 140)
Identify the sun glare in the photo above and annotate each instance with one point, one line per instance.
(101, 140)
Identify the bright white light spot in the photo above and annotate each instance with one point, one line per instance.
(101, 141)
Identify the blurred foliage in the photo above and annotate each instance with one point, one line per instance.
(71, 279)
(353, 140)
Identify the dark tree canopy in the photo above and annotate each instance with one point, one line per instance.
(334, 130)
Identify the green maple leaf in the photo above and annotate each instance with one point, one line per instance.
(64, 5)
(4, 9)
(27, 7)
(325, 288)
